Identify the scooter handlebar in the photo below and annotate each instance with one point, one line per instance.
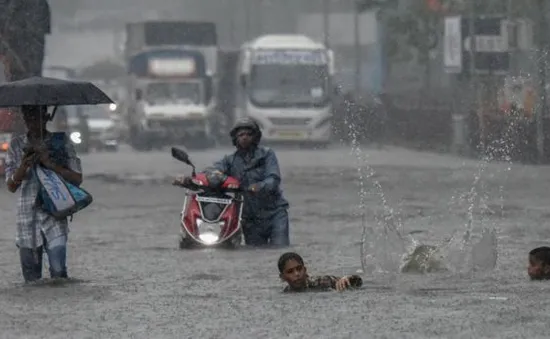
(194, 187)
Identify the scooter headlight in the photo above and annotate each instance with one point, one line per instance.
(76, 137)
(209, 238)
(209, 233)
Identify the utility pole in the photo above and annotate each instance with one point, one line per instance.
(357, 48)
(512, 32)
(260, 24)
(474, 80)
(542, 57)
(326, 22)
(246, 10)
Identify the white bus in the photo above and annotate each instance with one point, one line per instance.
(285, 86)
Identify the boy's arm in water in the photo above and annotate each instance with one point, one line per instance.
(323, 282)
(347, 282)
(328, 282)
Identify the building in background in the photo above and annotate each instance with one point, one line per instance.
(342, 42)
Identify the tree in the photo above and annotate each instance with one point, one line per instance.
(411, 29)
(414, 24)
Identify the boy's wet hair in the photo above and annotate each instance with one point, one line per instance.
(286, 257)
(542, 254)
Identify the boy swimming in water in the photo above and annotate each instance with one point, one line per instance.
(539, 263)
(293, 271)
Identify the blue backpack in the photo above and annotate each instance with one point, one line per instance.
(56, 196)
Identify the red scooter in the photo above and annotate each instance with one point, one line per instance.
(212, 209)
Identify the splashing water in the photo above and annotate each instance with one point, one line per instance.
(462, 253)
(384, 249)
(382, 244)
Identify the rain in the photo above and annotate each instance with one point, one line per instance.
(411, 141)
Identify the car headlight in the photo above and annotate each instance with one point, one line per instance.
(76, 137)
(112, 107)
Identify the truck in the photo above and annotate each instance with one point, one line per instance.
(285, 85)
(170, 87)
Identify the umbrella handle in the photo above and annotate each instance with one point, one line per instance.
(52, 115)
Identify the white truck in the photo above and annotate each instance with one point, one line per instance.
(170, 85)
(285, 86)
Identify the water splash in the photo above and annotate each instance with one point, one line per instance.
(465, 251)
(382, 244)
(473, 248)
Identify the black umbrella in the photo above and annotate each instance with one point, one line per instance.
(40, 91)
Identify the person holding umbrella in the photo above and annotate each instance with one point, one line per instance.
(38, 231)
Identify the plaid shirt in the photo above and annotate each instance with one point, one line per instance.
(320, 283)
(29, 217)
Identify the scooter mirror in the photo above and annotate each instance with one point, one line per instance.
(182, 156)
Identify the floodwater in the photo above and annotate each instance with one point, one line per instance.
(131, 281)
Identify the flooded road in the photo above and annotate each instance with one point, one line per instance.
(131, 281)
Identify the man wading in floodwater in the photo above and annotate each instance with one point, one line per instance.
(265, 215)
(36, 230)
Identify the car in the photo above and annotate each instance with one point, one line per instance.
(89, 127)
(102, 124)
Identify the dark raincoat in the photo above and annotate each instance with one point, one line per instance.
(23, 28)
(265, 212)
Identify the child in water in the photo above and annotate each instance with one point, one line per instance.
(539, 263)
(293, 271)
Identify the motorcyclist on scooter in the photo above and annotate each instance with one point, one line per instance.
(265, 213)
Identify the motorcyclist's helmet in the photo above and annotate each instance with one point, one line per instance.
(246, 123)
(215, 177)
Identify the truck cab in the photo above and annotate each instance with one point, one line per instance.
(171, 83)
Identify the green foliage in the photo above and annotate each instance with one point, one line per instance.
(415, 27)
